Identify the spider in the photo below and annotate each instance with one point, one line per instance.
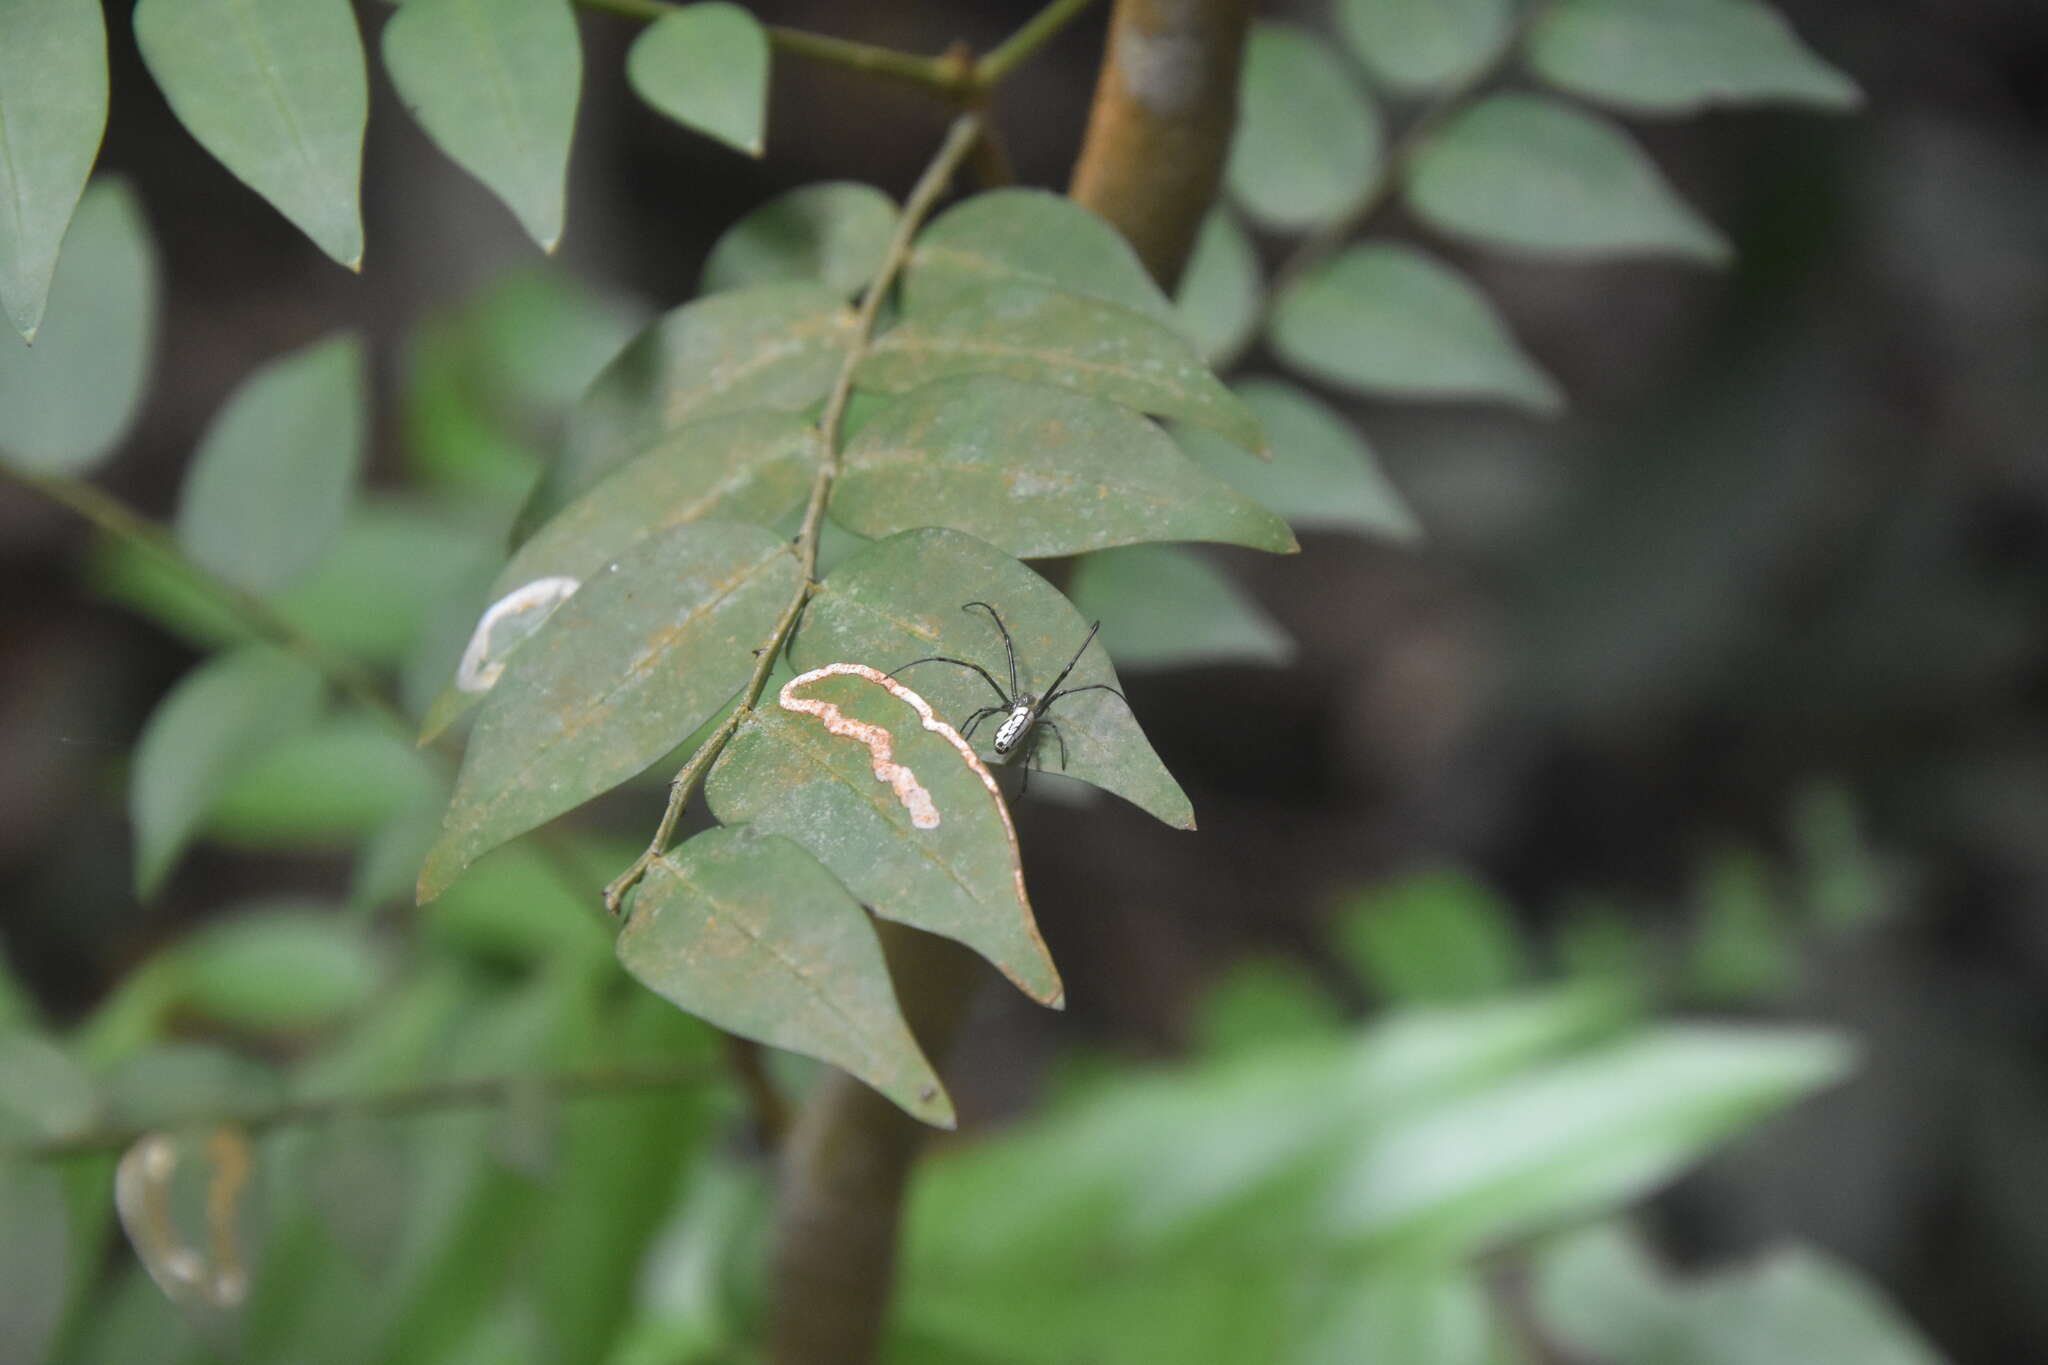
(1026, 712)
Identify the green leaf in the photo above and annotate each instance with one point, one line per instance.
(901, 598)
(174, 1084)
(1681, 56)
(327, 786)
(69, 399)
(626, 668)
(706, 67)
(1385, 319)
(35, 1255)
(1530, 173)
(1323, 476)
(1038, 471)
(1415, 44)
(515, 905)
(276, 90)
(44, 1094)
(53, 108)
(750, 932)
(1742, 948)
(1165, 607)
(1307, 147)
(220, 718)
(833, 233)
(278, 967)
(1434, 936)
(495, 84)
(755, 467)
(276, 470)
(775, 346)
(373, 593)
(1262, 1001)
(896, 805)
(1046, 336)
(1030, 236)
(1221, 291)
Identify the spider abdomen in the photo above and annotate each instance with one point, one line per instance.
(1015, 726)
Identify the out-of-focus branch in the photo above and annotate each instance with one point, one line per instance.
(1165, 105)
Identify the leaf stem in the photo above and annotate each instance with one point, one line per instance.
(423, 1099)
(1040, 29)
(960, 140)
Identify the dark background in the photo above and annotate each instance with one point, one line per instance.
(1792, 537)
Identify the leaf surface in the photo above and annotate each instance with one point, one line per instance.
(218, 719)
(1028, 235)
(748, 931)
(619, 674)
(1681, 56)
(275, 89)
(706, 67)
(1307, 146)
(53, 108)
(1162, 606)
(271, 484)
(1384, 318)
(833, 233)
(1221, 291)
(66, 401)
(495, 84)
(1416, 44)
(1046, 336)
(895, 803)
(1037, 471)
(900, 599)
(1536, 175)
(277, 966)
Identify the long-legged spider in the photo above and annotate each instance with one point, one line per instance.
(1026, 712)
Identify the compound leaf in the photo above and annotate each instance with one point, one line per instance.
(495, 84)
(833, 233)
(1534, 174)
(53, 108)
(775, 346)
(1165, 607)
(614, 679)
(706, 67)
(1416, 44)
(1047, 336)
(275, 472)
(857, 769)
(1322, 476)
(68, 400)
(755, 467)
(1037, 471)
(276, 90)
(1384, 318)
(1307, 146)
(900, 599)
(1221, 290)
(218, 719)
(1030, 235)
(746, 930)
(1681, 56)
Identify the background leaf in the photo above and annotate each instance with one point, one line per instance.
(212, 725)
(706, 67)
(1384, 318)
(618, 676)
(1307, 146)
(748, 931)
(326, 786)
(833, 233)
(1037, 471)
(1029, 235)
(275, 472)
(1681, 56)
(53, 104)
(35, 1256)
(900, 599)
(1530, 173)
(955, 874)
(277, 967)
(1221, 290)
(1414, 44)
(1433, 936)
(1165, 607)
(276, 90)
(495, 84)
(1323, 476)
(66, 401)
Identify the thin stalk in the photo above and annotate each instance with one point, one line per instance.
(1024, 44)
(423, 1099)
(960, 140)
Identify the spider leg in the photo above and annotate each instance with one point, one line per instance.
(1058, 734)
(1008, 648)
(974, 721)
(1091, 687)
(1054, 690)
(945, 659)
